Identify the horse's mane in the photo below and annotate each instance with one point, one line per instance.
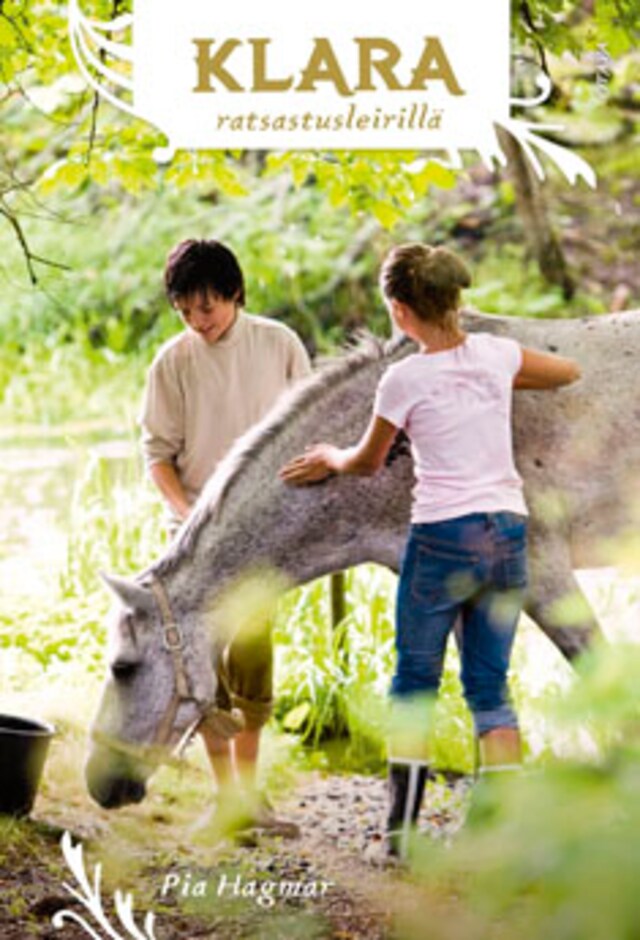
(251, 445)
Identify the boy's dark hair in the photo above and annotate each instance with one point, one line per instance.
(197, 266)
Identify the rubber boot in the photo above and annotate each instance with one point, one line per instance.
(486, 800)
(406, 783)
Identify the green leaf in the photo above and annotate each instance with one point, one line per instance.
(386, 214)
(67, 175)
(8, 35)
(294, 719)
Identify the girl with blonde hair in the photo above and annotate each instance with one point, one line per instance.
(465, 558)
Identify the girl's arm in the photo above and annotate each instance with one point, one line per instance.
(543, 370)
(363, 459)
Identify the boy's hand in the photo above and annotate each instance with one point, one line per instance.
(317, 463)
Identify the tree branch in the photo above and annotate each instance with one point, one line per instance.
(29, 256)
(116, 7)
(93, 129)
(533, 29)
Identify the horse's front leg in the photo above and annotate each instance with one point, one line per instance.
(556, 601)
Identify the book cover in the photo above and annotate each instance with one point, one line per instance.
(310, 141)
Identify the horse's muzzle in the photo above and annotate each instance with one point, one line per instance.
(112, 781)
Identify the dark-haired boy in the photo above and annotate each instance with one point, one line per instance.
(205, 388)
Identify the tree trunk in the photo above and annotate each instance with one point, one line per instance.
(532, 210)
(337, 587)
(338, 600)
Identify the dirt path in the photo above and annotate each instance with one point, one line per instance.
(329, 883)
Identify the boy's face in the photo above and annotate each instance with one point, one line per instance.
(207, 314)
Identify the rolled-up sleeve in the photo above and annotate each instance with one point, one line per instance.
(162, 416)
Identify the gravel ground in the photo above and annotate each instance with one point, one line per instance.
(348, 813)
(341, 846)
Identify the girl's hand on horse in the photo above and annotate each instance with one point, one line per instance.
(317, 463)
(363, 459)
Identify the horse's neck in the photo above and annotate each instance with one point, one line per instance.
(302, 532)
(329, 531)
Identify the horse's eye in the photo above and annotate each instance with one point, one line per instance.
(123, 669)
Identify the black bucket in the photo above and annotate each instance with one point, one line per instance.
(23, 749)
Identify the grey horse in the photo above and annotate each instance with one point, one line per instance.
(578, 450)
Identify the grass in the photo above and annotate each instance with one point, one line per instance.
(44, 387)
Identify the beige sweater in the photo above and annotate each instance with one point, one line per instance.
(199, 398)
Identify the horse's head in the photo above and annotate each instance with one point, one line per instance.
(160, 679)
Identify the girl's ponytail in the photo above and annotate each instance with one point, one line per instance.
(426, 279)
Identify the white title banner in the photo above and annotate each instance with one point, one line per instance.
(250, 74)
(284, 75)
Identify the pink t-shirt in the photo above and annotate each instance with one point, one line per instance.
(455, 406)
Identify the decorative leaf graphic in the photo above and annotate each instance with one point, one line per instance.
(528, 136)
(90, 898)
(124, 908)
(58, 921)
(86, 41)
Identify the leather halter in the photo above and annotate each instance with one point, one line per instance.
(225, 724)
(173, 642)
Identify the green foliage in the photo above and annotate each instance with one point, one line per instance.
(116, 521)
(69, 631)
(93, 388)
(617, 25)
(543, 23)
(333, 682)
(312, 705)
(526, 293)
(57, 137)
(564, 26)
(554, 854)
(382, 184)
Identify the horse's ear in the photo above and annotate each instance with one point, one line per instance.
(131, 593)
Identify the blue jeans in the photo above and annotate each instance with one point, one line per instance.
(472, 569)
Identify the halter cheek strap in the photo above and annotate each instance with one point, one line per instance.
(225, 724)
(172, 639)
(174, 643)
